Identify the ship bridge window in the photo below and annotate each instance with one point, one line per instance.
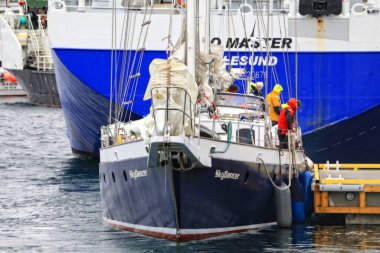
(125, 175)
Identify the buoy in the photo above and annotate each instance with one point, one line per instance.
(283, 206)
(298, 205)
(9, 77)
(306, 179)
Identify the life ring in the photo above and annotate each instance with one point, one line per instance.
(58, 5)
(245, 9)
(359, 9)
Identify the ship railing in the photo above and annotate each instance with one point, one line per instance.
(172, 108)
(246, 116)
(250, 130)
(248, 119)
(235, 8)
(39, 41)
(115, 134)
(44, 62)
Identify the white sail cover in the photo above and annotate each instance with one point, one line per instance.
(212, 65)
(171, 73)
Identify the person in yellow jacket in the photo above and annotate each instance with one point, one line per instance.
(273, 101)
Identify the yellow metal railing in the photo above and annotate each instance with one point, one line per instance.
(345, 166)
(354, 166)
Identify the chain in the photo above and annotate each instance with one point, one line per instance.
(174, 200)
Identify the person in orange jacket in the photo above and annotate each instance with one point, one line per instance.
(273, 101)
(286, 121)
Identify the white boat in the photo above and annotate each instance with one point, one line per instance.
(11, 89)
(9, 86)
(25, 53)
(203, 162)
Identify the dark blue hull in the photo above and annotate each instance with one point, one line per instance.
(353, 140)
(85, 111)
(186, 205)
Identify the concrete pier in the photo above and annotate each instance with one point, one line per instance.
(349, 189)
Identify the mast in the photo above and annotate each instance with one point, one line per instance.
(204, 26)
(191, 41)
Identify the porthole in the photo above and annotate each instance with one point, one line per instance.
(274, 177)
(246, 177)
(113, 177)
(125, 175)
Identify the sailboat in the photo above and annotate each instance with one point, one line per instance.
(203, 163)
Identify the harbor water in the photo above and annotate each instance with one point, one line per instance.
(50, 202)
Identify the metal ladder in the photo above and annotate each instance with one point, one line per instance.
(39, 41)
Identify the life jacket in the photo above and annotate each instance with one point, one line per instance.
(286, 117)
(273, 100)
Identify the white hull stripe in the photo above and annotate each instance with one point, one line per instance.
(172, 231)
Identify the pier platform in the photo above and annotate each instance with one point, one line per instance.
(352, 190)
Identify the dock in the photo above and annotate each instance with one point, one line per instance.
(352, 190)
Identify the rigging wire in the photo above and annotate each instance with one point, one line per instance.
(126, 32)
(284, 57)
(121, 85)
(125, 82)
(139, 55)
(112, 56)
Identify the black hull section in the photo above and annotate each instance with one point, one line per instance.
(201, 205)
(353, 140)
(40, 86)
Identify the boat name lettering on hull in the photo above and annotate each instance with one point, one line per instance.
(138, 173)
(226, 175)
(251, 61)
(244, 43)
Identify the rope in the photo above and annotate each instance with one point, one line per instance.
(131, 86)
(111, 63)
(292, 163)
(119, 85)
(125, 63)
(285, 57)
(271, 180)
(229, 135)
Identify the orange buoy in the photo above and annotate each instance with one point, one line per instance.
(9, 77)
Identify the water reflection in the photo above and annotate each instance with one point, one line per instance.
(351, 238)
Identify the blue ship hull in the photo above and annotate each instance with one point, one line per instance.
(333, 87)
(185, 205)
(354, 139)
